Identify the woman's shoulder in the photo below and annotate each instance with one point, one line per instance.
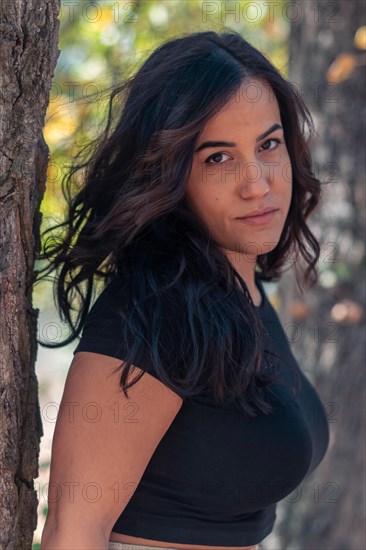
(123, 326)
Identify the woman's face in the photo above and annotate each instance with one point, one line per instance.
(251, 172)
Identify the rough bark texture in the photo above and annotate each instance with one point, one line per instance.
(329, 510)
(28, 56)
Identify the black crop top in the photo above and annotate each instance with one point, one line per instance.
(215, 477)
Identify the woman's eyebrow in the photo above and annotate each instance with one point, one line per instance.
(208, 144)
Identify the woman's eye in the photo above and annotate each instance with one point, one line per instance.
(278, 141)
(215, 155)
(212, 156)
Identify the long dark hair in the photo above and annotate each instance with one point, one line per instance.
(129, 218)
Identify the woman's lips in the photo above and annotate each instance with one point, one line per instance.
(258, 220)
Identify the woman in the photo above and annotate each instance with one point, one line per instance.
(219, 424)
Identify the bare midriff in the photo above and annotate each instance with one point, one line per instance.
(119, 537)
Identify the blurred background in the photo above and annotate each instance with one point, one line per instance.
(103, 42)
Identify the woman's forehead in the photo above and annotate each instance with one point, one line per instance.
(256, 119)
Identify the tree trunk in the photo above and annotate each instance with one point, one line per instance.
(28, 56)
(329, 509)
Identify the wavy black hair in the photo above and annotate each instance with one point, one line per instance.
(128, 217)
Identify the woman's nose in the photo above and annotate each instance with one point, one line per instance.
(254, 179)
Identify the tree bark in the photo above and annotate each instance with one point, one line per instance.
(28, 56)
(328, 511)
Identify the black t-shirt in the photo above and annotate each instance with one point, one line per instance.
(215, 477)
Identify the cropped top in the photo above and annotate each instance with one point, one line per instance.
(215, 477)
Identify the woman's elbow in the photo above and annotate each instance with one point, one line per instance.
(54, 538)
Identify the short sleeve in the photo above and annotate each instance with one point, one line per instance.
(106, 331)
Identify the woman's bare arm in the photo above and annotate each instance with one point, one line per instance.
(101, 446)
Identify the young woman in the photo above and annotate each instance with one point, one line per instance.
(220, 422)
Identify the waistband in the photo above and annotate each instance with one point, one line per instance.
(127, 546)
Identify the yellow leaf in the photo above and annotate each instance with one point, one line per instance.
(299, 310)
(360, 38)
(341, 68)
